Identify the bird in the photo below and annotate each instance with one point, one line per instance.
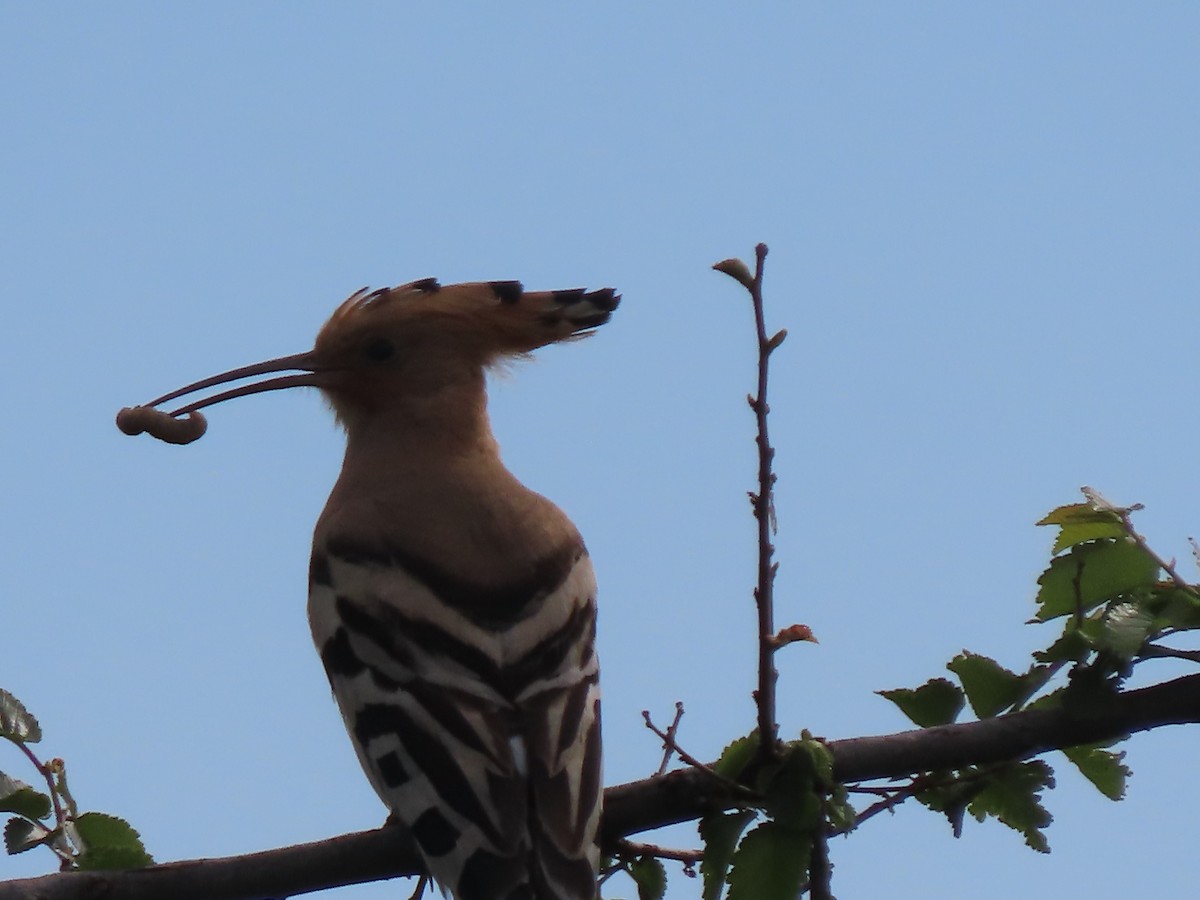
(453, 608)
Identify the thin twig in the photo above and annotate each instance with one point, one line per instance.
(48, 775)
(1099, 502)
(1159, 651)
(887, 804)
(1169, 567)
(635, 848)
(668, 740)
(419, 892)
(669, 744)
(763, 504)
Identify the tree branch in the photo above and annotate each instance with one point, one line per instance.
(639, 806)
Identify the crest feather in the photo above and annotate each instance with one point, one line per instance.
(495, 317)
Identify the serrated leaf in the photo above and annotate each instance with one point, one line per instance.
(1071, 646)
(1102, 768)
(770, 863)
(649, 876)
(20, 798)
(1078, 514)
(1125, 629)
(990, 687)
(16, 722)
(21, 835)
(820, 759)
(789, 793)
(1090, 574)
(839, 812)
(936, 702)
(1012, 794)
(951, 799)
(1174, 607)
(1070, 535)
(1081, 522)
(1052, 700)
(720, 833)
(110, 842)
(736, 756)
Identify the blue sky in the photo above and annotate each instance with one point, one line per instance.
(983, 222)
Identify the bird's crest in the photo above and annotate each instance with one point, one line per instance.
(493, 319)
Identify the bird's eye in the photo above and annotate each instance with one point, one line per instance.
(380, 350)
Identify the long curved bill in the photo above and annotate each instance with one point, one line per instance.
(167, 426)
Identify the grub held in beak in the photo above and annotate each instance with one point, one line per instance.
(168, 427)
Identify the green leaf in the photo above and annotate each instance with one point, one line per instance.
(1102, 768)
(789, 792)
(990, 687)
(1174, 607)
(20, 798)
(110, 842)
(16, 722)
(839, 812)
(1070, 535)
(737, 756)
(770, 864)
(1052, 700)
(720, 833)
(650, 876)
(1126, 627)
(936, 702)
(1080, 522)
(1092, 573)
(819, 756)
(1012, 793)
(951, 799)
(1076, 513)
(1071, 646)
(21, 835)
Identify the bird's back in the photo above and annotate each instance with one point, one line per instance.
(461, 651)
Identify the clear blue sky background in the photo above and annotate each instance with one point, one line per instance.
(983, 221)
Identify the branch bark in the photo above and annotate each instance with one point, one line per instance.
(639, 806)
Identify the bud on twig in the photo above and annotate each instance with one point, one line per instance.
(737, 270)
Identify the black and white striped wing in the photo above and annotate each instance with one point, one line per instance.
(482, 738)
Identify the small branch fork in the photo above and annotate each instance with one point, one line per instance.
(671, 746)
(668, 739)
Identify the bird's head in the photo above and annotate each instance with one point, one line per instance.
(407, 344)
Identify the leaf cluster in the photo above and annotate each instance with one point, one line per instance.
(1117, 602)
(767, 850)
(50, 818)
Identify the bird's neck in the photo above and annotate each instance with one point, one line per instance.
(431, 481)
(442, 435)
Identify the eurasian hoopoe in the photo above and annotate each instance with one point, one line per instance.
(453, 608)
